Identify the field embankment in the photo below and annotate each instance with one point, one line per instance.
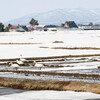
(27, 84)
(51, 57)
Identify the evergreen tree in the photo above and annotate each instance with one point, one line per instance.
(90, 24)
(7, 28)
(9, 25)
(33, 22)
(1, 27)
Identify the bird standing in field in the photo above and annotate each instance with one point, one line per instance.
(19, 62)
(38, 65)
(15, 66)
(22, 59)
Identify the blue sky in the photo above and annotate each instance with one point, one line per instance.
(10, 9)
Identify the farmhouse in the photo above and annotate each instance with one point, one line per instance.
(17, 28)
(32, 29)
(50, 27)
(89, 27)
(24, 27)
(70, 24)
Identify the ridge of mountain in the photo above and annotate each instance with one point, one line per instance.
(59, 16)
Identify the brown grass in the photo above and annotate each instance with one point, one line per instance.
(18, 43)
(43, 47)
(58, 42)
(57, 66)
(69, 66)
(27, 84)
(98, 67)
(76, 48)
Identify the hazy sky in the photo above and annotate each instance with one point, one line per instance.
(10, 9)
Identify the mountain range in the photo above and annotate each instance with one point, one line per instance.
(59, 16)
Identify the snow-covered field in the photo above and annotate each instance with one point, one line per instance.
(77, 38)
(12, 94)
(39, 44)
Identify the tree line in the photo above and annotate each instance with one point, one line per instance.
(32, 23)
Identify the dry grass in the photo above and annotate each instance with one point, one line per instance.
(57, 66)
(18, 43)
(43, 47)
(27, 84)
(98, 67)
(58, 42)
(69, 66)
(76, 48)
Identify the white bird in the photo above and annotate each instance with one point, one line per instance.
(15, 66)
(94, 58)
(22, 59)
(35, 64)
(19, 62)
(35, 75)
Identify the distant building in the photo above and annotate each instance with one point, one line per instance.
(70, 24)
(17, 28)
(88, 27)
(1, 30)
(30, 29)
(50, 28)
(24, 27)
(39, 28)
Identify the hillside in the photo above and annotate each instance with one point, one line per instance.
(60, 16)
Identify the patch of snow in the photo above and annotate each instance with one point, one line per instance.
(45, 95)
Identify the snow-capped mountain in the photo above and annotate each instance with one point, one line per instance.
(59, 16)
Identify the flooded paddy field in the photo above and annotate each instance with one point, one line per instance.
(85, 69)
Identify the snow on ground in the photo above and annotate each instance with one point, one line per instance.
(70, 39)
(14, 51)
(12, 94)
